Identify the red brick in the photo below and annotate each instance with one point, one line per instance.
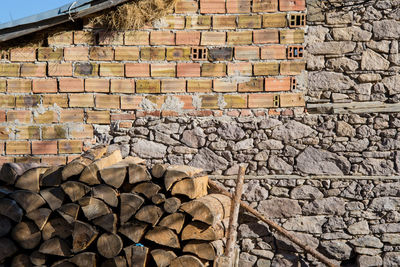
(49, 116)
(199, 86)
(163, 70)
(187, 38)
(247, 52)
(172, 22)
(273, 52)
(213, 38)
(127, 53)
(277, 84)
(131, 102)
(212, 6)
(213, 69)
(76, 53)
(200, 113)
(44, 147)
(223, 86)
(235, 101)
(187, 101)
(152, 53)
(71, 85)
(292, 67)
(186, 6)
(240, 69)
(9, 70)
(71, 115)
(240, 38)
(97, 85)
(107, 101)
(33, 70)
(170, 113)
(7, 101)
(18, 148)
(249, 21)
(137, 69)
(81, 100)
(261, 100)
(238, 6)
(101, 53)
(2, 116)
(50, 54)
(54, 132)
(265, 36)
(3, 85)
(27, 101)
(198, 22)
(265, 5)
(112, 69)
(188, 70)
(123, 116)
(60, 69)
(209, 101)
(148, 86)
(44, 86)
(19, 86)
(224, 22)
(86, 69)
(173, 86)
(157, 100)
(292, 5)
(70, 146)
(155, 113)
(162, 38)
(27, 54)
(19, 116)
(124, 86)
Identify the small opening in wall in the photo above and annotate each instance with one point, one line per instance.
(276, 101)
(295, 51)
(199, 53)
(293, 83)
(297, 20)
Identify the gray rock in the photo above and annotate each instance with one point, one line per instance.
(370, 261)
(253, 191)
(318, 161)
(391, 259)
(285, 260)
(218, 145)
(330, 205)
(230, 131)
(167, 128)
(308, 224)
(337, 249)
(345, 129)
(331, 48)
(367, 241)
(271, 144)
(194, 138)
(269, 123)
(380, 47)
(336, 235)
(279, 208)
(243, 145)
(263, 263)
(367, 251)
(184, 150)
(279, 191)
(392, 239)
(208, 160)
(263, 253)
(385, 204)
(342, 64)
(372, 166)
(387, 189)
(359, 228)
(332, 81)
(149, 149)
(247, 260)
(339, 17)
(306, 192)
(371, 60)
(261, 156)
(252, 230)
(386, 29)
(292, 130)
(279, 165)
(386, 228)
(391, 83)
(285, 244)
(335, 223)
(165, 139)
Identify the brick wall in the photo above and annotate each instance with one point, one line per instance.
(208, 58)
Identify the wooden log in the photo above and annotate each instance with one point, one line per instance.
(11, 171)
(28, 200)
(96, 152)
(163, 257)
(26, 234)
(21, 260)
(82, 236)
(178, 172)
(84, 259)
(208, 209)
(115, 174)
(75, 190)
(69, 212)
(54, 197)
(7, 248)
(109, 245)
(75, 167)
(133, 230)
(38, 258)
(4, 192)
(30, 179)
(158, 198)
(93, 207)
(173, 221)
(62, 263)
(39, 217)
(106, 193)
(150, 214)
(90, 174)
(203, 250)
(55, 246)
(148, 189)
(52, 177)
(130, 204)
(56, 227)
(108, 222)
(201, 231)
(158, 170)
(11, 209)
(163, 236)
(186, 260)
(172, 204)
(192, 188)
(115, 262)
(136, 256)
(5, 225)
(138, 173)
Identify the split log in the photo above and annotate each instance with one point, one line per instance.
(172, 204)
(208, 209)
(158, 170)
(30, 180)
(186, 260)
(106, 193)
(56, 227)
(173, 221)
(7, 248)
(75, 190)
(21, 260)
(75, 167)
(136, 256)
(38, 258)
(130, 204)
(11, 209)
(39, 217)
(69, 212)
(4, 192)
(52, 177)
(26, 234)
(109, 245)
(133, 160)
(28, 200)
(115, 262)
(5, 225)
(84, 259)
(93, 207)
(82, 236)
(62, 263)
(163, 257)
(203, 250)
(150, 214)
(54, 197)
(96, 152)
(158, 198)
(148, 189)
(202, 231)
(138, 173)
(11, 171)
(55, 246)
(108, 222)
(133, 230)
(178, 172)
(163, 236)
(115, 174)
(192, 188)
(90, 174)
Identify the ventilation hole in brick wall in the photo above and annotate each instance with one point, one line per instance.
(297, 20)
(295, 51)
(276, 101)
(199, 53)
(293, 83)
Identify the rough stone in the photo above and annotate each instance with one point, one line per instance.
(337, 249)
(284, 259)
(345, 129)
(271, 144)
(244, 144)
(367, 241)
(385, 204)
(386, 29)
(359, 228)
(308, 224)
(371, 60)
(149, 149)
(279, 208)
(230, 131)
(194, 138)
(372, 166)
(292, 130)
(208, 160)
(269, 123)
(392, 239)
(325, 80)
(392, 84)
(342, 64)
(330, 206)
(331, 48)
(279, 165)
(364, 260)
(391, 259)
(306, 192)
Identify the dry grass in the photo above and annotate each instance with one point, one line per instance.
(134, 14)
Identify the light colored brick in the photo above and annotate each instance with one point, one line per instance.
(198, 22)
(71, 115)
(49, 116)
(209, 101)
(173, 86)
(148, 86)
(137, 69)
(235, 101)
(292, 5)
(178, 53)
(26, 54)
(292, 100)
(84, 37)
(212, 6)
(163, 70)
(162, 38)
(50, 54)
(224, 22)
(19, 116)
(101, 53)
(213, 38)
(97, 85)
(9, 69)
(27, 132)
(188, 70)
(44, 86)
(152, 53)
(187, 38)
(171, 22)
(70, 146)
(19, 86)
(3, 86)
(261, 100)
(292, 67)
(54, 132)
(213, 69)
(186, 6)
(249, 21)
(277, 20)
(273, 52)
(240, 38)
(131, 102)
(59, 100)
(4, 134)
(123, 86)
(76, 53)
(137, 38)
(238, 6)
(60, 69)
(292, 36)
(254, 85)
(240, 69)
(111, 38)
(18, 148)
(112, 70)
(265, 36)
(266, 68)
(247, 52)
(81, 100)
(277, 84)
(33, 70)
(98, 117)
(199, 86)
(80, 131)
(107, 101)
(69, 85)
(54, 160)
(126, 53)
(44, 147)
(265, 5)
(7, 101)
(61, 38)
(223, 86)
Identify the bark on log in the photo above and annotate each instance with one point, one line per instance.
(90, 174)
(7, 248)
(158, 170)
(148, 189)
(11, 171)
(138, 173)
(163, 257)
(56, 227)
(158, 198)
(26, 234)
(21, 260)
(178, 172)
(93, 207)
(150, 214)
(39, 217)
(109, 245)
(84, 259)
(55, 246)
(133, 230)
(30, 179)
(82, 236)
(136, 256)
(5, 225)
(54, 197)
(11, 209)
(38, 258)
(75, 190)
(96, 152)
(28, 200)
(186, 260)
(75, 167)
(203, 250)
(130, 204)
(115, 262)
(192, 188)
(106, 193)
(69, 212)
(172, 204)
(201, 231)
(173, 221)
(108, 222)
(163, 236)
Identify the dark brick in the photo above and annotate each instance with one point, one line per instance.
(220, 53)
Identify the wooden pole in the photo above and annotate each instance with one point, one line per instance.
(278, 228)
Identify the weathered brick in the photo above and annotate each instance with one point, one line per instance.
(277, 84)
(27, 101)
(249, 21)
(123, 116)
(54, 132)
(33, 70)
(112, 70)
(19, 116)
(137, 38)
(171, 22)
(292, 5)
(261, 100)
(69, 85)
(107, 101)
(187, 101)
(84, 37)
(101, 53)
(27, 132)
(50, 54)
(59, 100)
(235, 101)
(292, 36)
(212, 6)
(292, 67)
(224, 22)
(4, 134)
(273, 52)
(186, 6)
(240, 69)
(137, 70)
(49, 116)
(61, 38)
(265, 5)
(253, 85)
(126, 53)
(152, 53)
(277, 20)
(292, 100)
(213, 69)
(19, 86)
(148, 86)
(44, 147)
(44, 86)
(213, 38)
(59, 69)
(124, 86)
(157, 100)
(3, 85)
(80, 131)
(131, 102)
(209, 101)
(9, 69)
(240, 38)
(266, 36)
(98, 117)
(173, 86)
(27, 159)
(76, 53)
(187, 38)
(178, 53)
(81, 100)
(26, 54)
(71, 115)
(97, 85)
(69, 146)
(7, 101)
(18, 148)
(199, 86)
(247, 52)
(220, 53)
(266, 68)
(54, 160)
(111, 38)
(162, 38)
(188, 70)
(86, 69)
(223, 86)
(2, 116)
(238, 6)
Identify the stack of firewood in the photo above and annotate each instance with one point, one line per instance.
(103, 210)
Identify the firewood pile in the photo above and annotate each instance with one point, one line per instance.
(103, 210)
